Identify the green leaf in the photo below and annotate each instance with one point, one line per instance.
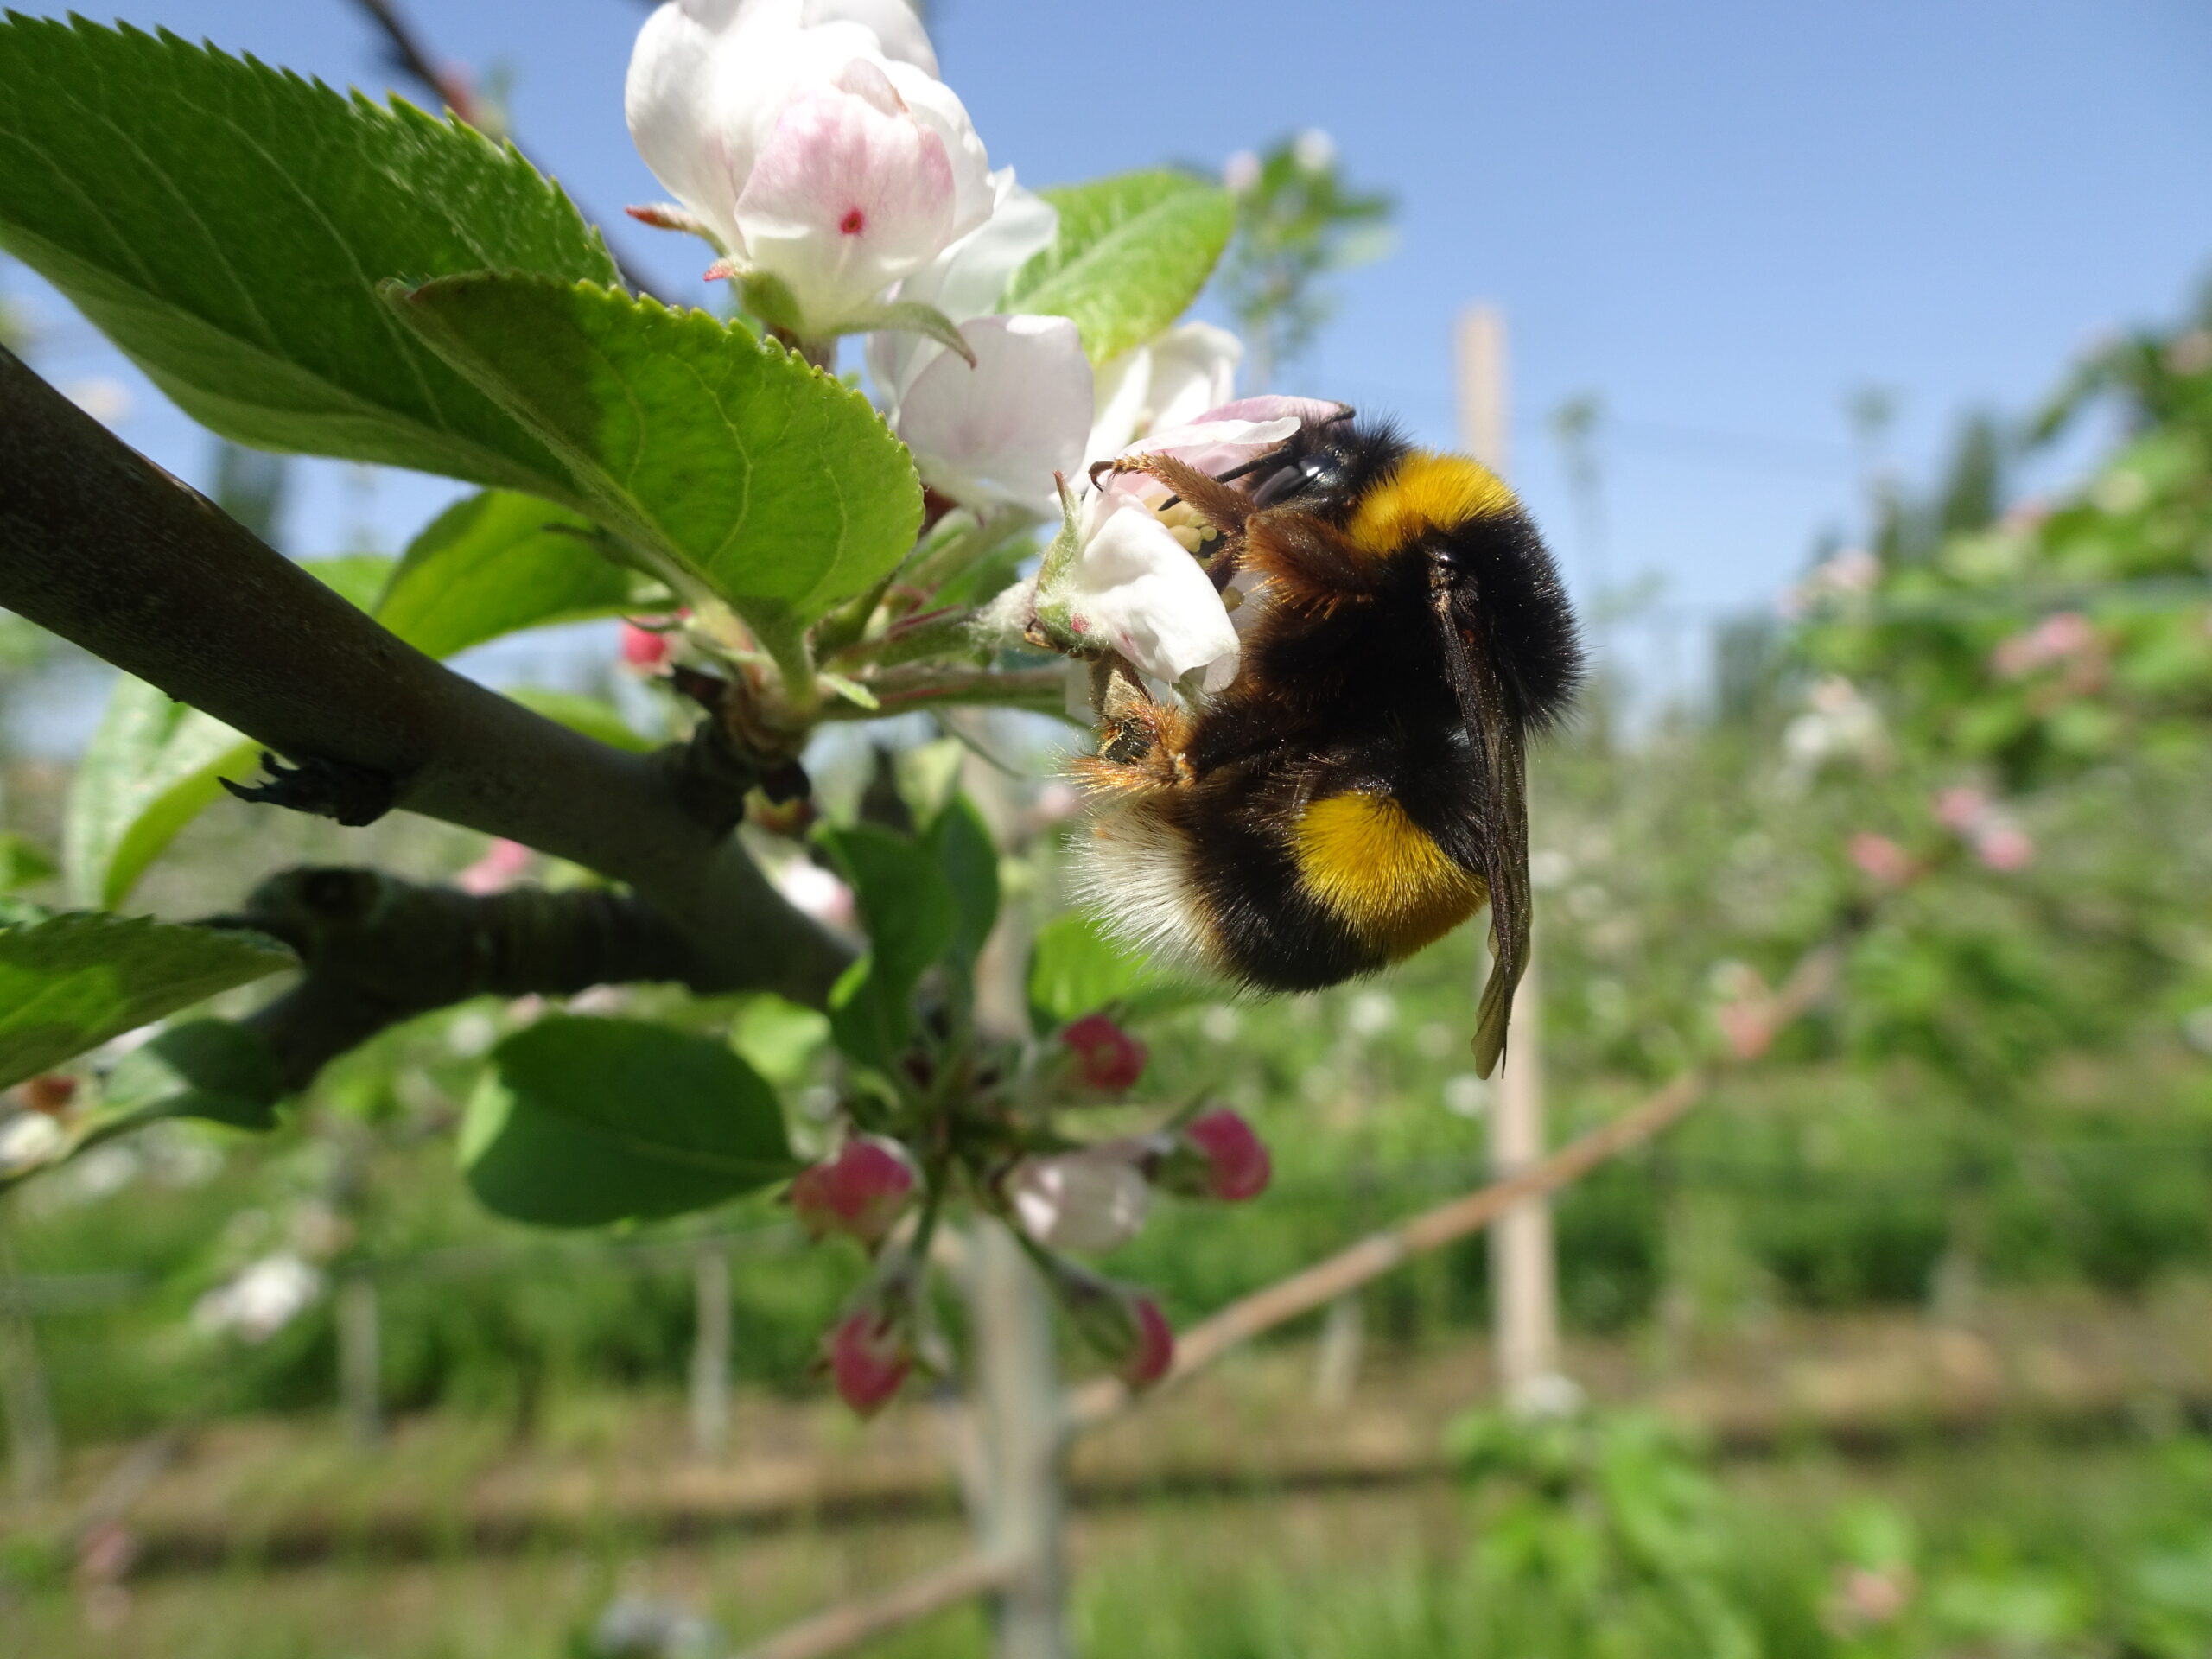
(356, 578)
(211, 1069)
(582, 1122)
(226, 224)
(778, 1039)
(912, 917)
(70, 983)
(23, 863)
(751, 474)
(1132, 253)
(1075, 969)
(498, 563)
(154, 764)
(595, 719)
(960, 843)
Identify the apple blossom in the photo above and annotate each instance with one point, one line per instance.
(860, 1192)
(998, 430)
(1961, 809)
(262, 1299)
(869, 1355)
(1089, 1201)
(1122, 577)
(1168, 382)
(2005, 847)
(992, 431)
(813, 891)
(1107, 1057)
(29, 1140)
(823, 169)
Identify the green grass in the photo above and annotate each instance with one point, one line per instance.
(2007, 1548)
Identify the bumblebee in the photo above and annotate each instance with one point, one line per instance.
(1358, 790)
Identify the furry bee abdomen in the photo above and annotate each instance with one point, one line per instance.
(1295, 899)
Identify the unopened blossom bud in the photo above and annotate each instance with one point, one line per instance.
(1237, 1164)
(869, 1354)
(1882, 859)
(1108, 1058)
(1120, 1321)
(1153, 1350)
(646, 650)
(1091, 1201)
(861, 1191)
(1960, 809)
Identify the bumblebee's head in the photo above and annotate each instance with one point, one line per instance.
(1445, 517)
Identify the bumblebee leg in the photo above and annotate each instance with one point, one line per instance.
(1308, 563)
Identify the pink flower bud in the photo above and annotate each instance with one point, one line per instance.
(2005, 847)
(1959, 810)
(1882, 858)
(860, 1192)
(1746, 1027)
(1152, 1349)
(869, 1357)
(1108, 1058)
(646, 650)
(1237, 1164)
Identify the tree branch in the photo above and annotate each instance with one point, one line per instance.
(100, 546)
(378, 951)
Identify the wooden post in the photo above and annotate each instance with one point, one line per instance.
(33, 1446)
(1022, 1421)
(360, 1360)
(1344, 1338)
(711, 1351)
(1524, 1289)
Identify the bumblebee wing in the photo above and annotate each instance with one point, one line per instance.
(1472, 666)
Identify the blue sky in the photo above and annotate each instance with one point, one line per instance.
(1719, 218)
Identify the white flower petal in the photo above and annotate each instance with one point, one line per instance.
(1166, 383)
(1134, 587)
(967, 280)
(893, 21)
(939, 108)
(668, 101)
(847, 196)
(996, 433)
(1091, 1201)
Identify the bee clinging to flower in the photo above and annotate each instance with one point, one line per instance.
(1345, 783)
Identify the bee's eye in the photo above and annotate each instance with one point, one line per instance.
(1317, 472)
